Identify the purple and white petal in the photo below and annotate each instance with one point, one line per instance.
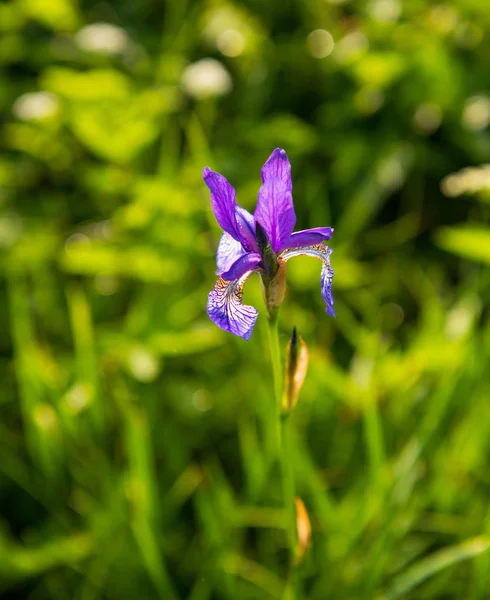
(223, 201)
(275, 211)
(307, 237)
(326, 279)
(229, 251)
(226, 310)
(246, 228)
(247, 262)
(277, 166)
(321, 252)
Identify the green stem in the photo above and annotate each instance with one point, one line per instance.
(288, 484)
(276, 363)
(284, 438)
(374, 439)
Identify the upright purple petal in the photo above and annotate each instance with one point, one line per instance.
(307, 237)
(223, 201)
(275, 211)
(234, 219)
(247, 262)
(226, 310)
(229, 251)
(277, 166)
(326, 278)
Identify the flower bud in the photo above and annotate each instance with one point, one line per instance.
(296, 367)
(303, 526)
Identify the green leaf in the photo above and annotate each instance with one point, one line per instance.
(18, 561)
(59, 15)
(118, 129)
(472, 243)
(93, 85)
(140, 263)
(379, 70)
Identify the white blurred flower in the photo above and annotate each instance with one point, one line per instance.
(102, 37)
(206, 78)
(471, 180)
(36, 106)
(384, 11)
(476, 113)
(143, 364)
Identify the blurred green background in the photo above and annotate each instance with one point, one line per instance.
(133, 432)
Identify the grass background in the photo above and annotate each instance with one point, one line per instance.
(133, 432)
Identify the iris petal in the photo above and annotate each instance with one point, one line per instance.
(307, 237)
(223, 201)
(226, 310)
(245, 263)
(233, 219)
(278, 166)
(275, 211)
(229, 251)
(321, 252)
(246, 228)
(326, 280)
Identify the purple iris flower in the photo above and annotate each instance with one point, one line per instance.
(240, 251)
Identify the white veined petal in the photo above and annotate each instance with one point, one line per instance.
(321, 252)
(226, 310)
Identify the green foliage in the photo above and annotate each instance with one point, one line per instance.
(135, 436)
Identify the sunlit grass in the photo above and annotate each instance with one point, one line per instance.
(135, 436)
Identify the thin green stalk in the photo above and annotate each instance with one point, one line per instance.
(276, 363)
(288, 483)
(374, 438)
(284, 446)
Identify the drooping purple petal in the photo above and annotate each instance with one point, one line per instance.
(275, 211)
(277, 166)
(326, 279)
(223, 201)
(321, 252)
(245, 263)
(226, 310)
(229, 251)
(307, 237)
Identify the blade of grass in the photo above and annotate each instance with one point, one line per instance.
(142, 491)
(436, 562)
(84, 342)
